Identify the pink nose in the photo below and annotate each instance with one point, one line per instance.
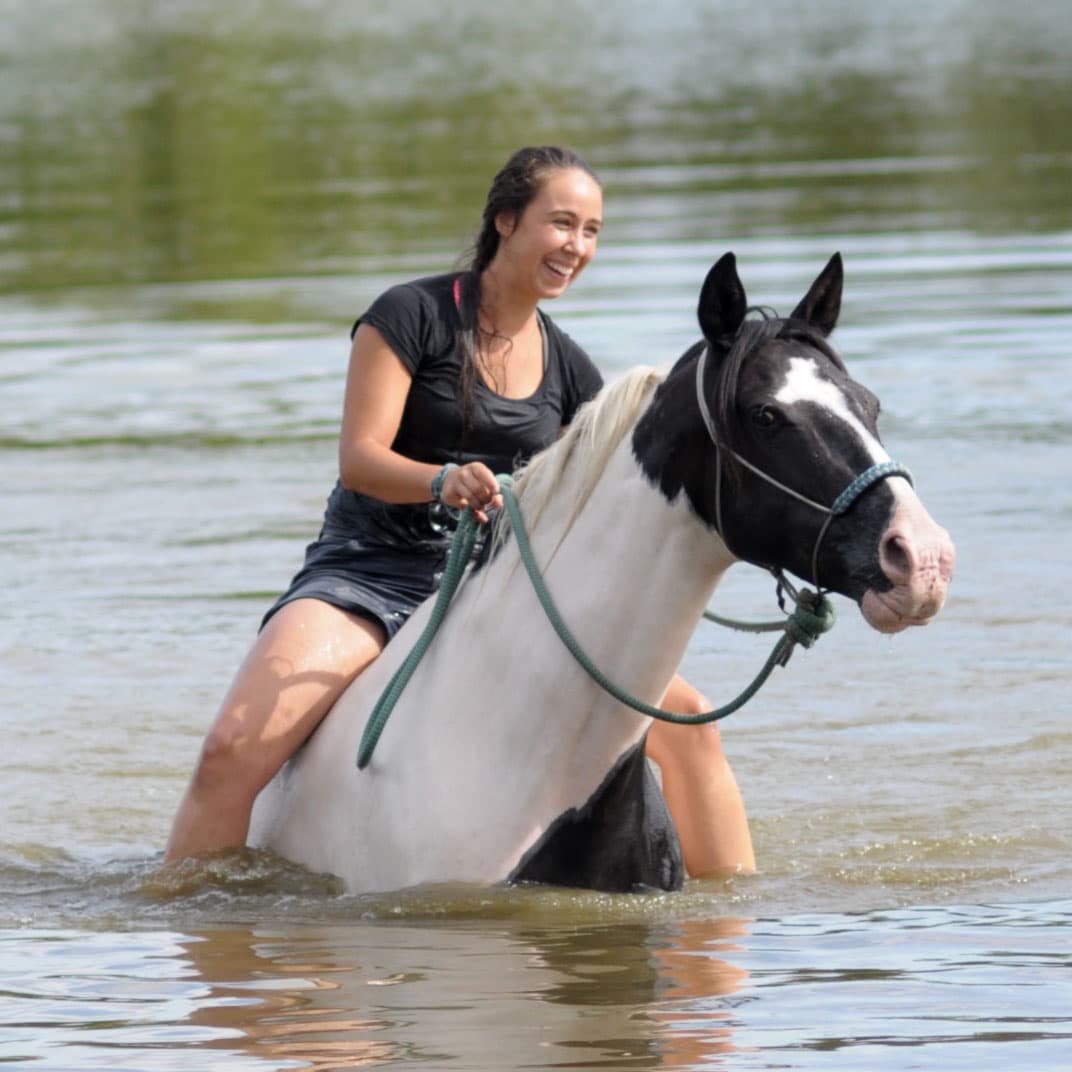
(917, 556)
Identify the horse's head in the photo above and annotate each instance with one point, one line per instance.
(777, 449)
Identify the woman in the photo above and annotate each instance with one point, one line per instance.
(451, 379)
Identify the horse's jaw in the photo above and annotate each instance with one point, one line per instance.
(917, 558)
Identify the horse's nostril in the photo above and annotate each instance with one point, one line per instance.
(896, 561)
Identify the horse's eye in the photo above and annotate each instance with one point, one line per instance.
(765, 416)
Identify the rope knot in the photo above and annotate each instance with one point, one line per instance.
(812, 616)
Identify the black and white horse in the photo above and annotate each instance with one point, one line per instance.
(503, 760)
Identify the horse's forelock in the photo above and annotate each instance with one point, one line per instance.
(761, 326)
(752, 336)
(753, 333)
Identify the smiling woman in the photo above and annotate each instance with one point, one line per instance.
(452, 379)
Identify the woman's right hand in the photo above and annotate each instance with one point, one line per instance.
(472, 485)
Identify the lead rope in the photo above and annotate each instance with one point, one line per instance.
(461, 550)
(812, 616)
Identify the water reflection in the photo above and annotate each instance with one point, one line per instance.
(699, 978)
(478, 996)
(269, 143)
(283, 1000)
(503, 993)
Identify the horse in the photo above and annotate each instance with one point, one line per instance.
(504, 761)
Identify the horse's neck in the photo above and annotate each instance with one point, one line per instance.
(635, 570)
(630, 577)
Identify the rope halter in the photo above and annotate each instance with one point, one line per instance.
(855, 489)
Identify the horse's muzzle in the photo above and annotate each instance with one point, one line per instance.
(917, 557)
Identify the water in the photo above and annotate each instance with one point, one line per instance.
(723, 992)
(193, 206)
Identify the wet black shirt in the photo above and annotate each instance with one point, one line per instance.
(420, 322)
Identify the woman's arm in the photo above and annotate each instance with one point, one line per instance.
(377, 385)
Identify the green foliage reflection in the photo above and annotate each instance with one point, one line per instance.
(261, 144)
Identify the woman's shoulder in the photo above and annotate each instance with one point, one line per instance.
(422, 304)
(434, 288)
(430, 291)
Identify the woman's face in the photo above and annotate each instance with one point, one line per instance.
(556, 235)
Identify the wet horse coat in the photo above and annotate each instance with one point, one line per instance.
(503, 760)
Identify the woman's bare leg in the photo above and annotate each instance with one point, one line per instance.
(298, 666)
(700, 788)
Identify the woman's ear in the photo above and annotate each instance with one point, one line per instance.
(505, 223)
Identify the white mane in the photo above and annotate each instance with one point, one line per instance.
(583, 450)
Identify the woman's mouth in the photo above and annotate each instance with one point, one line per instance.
(560, 271)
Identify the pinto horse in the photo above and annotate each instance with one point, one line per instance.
(503, 760)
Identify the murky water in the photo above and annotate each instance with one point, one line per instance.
(645, 993)
(194, 204)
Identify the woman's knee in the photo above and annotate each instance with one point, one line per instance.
(685, 745)
(228, 765)
(682, 696)
(683, 738)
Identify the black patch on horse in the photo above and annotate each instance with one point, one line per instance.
(621, 841)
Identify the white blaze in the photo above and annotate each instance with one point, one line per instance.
(804, 384)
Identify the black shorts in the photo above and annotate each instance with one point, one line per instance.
(380, 583)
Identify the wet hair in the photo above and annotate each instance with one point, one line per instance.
(515, 186)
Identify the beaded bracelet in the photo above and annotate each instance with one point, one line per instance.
(437, 480)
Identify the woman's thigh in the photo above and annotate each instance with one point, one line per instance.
(301, 661)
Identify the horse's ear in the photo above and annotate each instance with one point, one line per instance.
(722, 300)
(822, 304)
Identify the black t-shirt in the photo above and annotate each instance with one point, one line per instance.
(420, 322)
